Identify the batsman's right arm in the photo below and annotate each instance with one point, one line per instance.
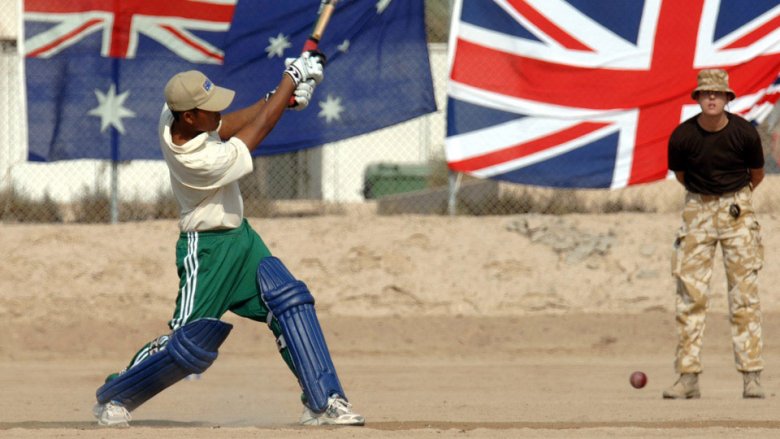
(254, 123)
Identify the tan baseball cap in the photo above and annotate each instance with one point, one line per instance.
(192, 89)
(713, 80)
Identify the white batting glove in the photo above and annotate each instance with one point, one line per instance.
(307, 66)
(302, 94)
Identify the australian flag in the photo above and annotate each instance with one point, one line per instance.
(96, 69)
(583, 93)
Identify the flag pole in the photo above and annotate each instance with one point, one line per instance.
(454, 177)
(453, 186)
(115, 152)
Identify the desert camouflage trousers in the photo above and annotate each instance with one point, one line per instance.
(707, 222)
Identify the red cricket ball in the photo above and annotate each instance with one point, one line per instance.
(638, 379)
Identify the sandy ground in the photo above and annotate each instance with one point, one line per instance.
(521, 326)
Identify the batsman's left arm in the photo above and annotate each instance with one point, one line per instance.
(253, 123)
(232, 122)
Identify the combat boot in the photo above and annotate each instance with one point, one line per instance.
(752, 385)
(686, 387)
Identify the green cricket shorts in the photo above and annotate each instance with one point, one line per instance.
(217, 273)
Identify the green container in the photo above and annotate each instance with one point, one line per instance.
(382, 179)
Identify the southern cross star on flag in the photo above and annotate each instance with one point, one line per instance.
(583, 93)
(96, 69)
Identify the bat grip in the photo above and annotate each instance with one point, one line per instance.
(311, 44)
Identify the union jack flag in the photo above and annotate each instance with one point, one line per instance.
(120, 23)
(96, 69)
(578, 93)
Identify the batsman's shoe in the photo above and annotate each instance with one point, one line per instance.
(111, 414)
(686, 387)
(752, 385)
(339, 412)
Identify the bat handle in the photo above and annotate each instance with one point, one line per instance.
(311, 44)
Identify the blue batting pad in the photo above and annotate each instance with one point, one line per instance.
(191, 349)
(293, 306)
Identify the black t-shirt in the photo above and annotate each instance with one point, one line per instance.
(715, 163)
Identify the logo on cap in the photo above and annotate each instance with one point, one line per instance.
(207, 85)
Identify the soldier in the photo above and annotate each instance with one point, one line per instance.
(718, 157)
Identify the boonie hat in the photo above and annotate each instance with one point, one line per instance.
(192, 89)
(713, 80)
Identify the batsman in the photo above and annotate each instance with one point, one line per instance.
(223, 264)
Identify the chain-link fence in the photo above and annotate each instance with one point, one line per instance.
(403, 170)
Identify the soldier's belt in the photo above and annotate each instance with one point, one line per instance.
(708, 198)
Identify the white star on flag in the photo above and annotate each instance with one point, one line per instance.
(381, 5)
(277, 45)
(331, 109)
(343, 47)
(111, 109)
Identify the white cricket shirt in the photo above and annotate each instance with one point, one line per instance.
(204, 177)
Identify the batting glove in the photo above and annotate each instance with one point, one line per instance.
(302, 95)
(309, 65)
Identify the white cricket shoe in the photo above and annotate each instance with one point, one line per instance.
(111, 414)
(339, 412)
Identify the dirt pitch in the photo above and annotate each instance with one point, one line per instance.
(517, 340)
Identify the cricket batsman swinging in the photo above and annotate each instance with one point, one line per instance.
(223, 264)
